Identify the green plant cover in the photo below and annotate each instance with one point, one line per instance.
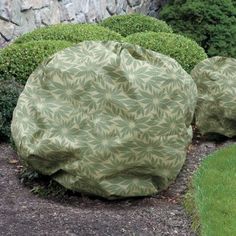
(135, 23)
(184, 50)
(216, 107)
(106, 118)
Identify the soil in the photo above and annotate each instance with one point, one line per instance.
(24, 214)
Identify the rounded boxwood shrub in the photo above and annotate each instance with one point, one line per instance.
(135, 23)
(18, 61)
(212, 23)
(184, 50)
(9, 93)
(70, 32)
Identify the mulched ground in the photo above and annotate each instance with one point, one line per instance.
(22, 213)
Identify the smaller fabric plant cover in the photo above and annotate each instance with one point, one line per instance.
(106, 118)
(216, 107)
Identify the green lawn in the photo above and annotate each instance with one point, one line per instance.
(212, 197)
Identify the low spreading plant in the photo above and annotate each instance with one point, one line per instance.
(42, 185)
(74, 33)
(18, 61)
(184, 50)
(212, 23)
(9, 93)
(134, 23)
(211, 199)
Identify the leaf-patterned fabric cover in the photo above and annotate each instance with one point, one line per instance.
(216, 107)
(106, 118)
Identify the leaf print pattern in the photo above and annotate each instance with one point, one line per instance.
(106, 118)
(216, 81)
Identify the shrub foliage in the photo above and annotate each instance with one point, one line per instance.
(74, 33)
(135, 23)
(18, 61)
(212, 23)
(9, 93)
(184, 50)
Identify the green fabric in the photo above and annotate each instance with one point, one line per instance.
(106, 118)
(216, 107)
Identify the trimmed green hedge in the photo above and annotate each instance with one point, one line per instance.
(18, 61)
(135, 23)
(212, 23)
(186, 51)
(9, 93)
(74, 33)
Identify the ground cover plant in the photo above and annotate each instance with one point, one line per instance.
(184, 50)
(41, 185)
(18, 61)
(74, 33)
(134, 23)
(212, 198)
(212, 23)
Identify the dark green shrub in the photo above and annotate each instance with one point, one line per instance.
(212, 23)
(186, 51)
(9, 93)
(74, 33)
(135, 23)
(18, 61)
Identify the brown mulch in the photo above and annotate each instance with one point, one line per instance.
(22, 213)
